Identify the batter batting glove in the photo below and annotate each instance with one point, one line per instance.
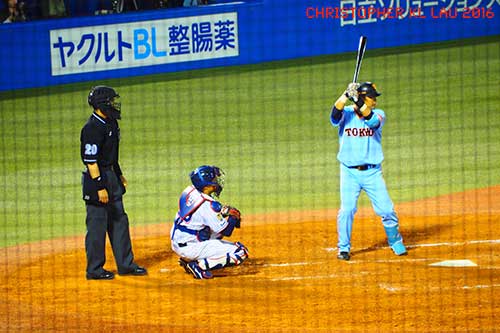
(352, 91)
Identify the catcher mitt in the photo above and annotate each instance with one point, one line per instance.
(232, 213)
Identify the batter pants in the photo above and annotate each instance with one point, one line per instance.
(352, 181)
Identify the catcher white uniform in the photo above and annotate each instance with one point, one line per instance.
(202, 222)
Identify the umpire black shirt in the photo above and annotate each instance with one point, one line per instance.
(99, 143)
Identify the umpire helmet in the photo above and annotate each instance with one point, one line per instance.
(107, 100)
(368, 89)
(207, 175)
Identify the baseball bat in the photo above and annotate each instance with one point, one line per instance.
(359, 57)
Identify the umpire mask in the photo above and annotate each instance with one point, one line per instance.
(107, 100)
(115, 108)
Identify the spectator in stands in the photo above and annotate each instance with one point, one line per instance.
(120, 6)
(192, 3)
(15, 12)
(167, 4)
(53, 8)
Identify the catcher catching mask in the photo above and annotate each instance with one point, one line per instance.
(207, 175)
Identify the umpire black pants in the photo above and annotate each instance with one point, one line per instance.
(113, 220)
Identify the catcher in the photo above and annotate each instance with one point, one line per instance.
(202, 222)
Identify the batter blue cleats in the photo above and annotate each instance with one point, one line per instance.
(343, 256)
(197, 272)
(399, 248)
(395, 240)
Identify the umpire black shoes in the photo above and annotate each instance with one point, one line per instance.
(105, 275)
(343, 256)
(136, 271)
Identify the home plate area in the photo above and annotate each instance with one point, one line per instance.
(454, 263)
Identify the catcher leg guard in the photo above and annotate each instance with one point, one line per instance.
(239, 255)
(395, 240)
(233, 258)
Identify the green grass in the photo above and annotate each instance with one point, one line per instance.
(266, 125)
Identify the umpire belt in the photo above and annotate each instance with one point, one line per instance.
(106, 167)
(363, 167)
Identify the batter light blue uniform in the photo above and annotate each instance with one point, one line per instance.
(361, 145)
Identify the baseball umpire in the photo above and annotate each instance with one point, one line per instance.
(202, 222)
(103, 187)
(360, 155)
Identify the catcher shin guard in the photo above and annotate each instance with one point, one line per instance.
(395, 240)
(230, 259)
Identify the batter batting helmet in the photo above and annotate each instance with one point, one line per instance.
(207, 175)
(105, 99)
(368, 89)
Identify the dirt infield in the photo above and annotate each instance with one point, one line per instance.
(292, 283)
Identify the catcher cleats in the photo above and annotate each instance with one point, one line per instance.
(197, 272)
(399, 248)
(343, 256)
(183, 263)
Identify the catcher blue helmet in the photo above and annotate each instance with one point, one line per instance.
(207, 175)
(107, 100)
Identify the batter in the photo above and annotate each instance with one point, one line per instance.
(360, 156)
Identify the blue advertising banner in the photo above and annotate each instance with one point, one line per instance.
(51, 52)
(145, 43)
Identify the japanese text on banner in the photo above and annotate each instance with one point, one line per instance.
(137, 44)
